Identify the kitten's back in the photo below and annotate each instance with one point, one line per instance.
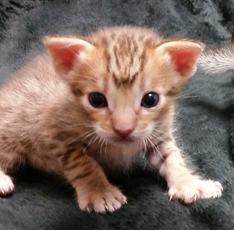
(34, 85)
(28, 99)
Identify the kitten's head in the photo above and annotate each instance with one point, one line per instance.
(125, 79)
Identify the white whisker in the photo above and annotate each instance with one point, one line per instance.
(155, 147)
(157, 137)
(89, 143)
(188, 95)
(85, 135)
(144, 147)
(95, 139)
(106, 146)
(102, 143)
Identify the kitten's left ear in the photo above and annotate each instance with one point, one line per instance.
(183, 54)
(66, 52)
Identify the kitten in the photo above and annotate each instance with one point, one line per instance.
(218, 60)
(95, 102)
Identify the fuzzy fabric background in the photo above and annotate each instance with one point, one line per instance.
(205, 118)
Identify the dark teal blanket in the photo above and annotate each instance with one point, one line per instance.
(204, 119)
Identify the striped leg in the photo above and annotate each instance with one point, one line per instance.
(94, 191)
(181, 182)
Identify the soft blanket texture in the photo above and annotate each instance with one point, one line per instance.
(204, 120)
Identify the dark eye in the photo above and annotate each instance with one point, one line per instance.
(150, 100)
(97, 100)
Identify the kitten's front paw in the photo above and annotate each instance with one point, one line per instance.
(6, 185)
(195, 189)
(103, 200)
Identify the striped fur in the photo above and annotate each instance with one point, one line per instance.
(47, 118)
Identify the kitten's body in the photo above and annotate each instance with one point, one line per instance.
(48, 117)
(44, 105)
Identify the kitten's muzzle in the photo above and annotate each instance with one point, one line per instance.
(124, 133)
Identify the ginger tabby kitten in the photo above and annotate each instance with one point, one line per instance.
(97, 101)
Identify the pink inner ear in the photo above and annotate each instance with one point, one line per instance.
(65, 57)
(184, 59)
(66, 52)
(69, 56)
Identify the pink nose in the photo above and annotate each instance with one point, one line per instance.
(123, 132)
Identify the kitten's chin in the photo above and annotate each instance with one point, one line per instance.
(123, 141)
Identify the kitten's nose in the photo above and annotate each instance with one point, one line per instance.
(123, 132)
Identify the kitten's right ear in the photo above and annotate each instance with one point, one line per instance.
(66, 52)
(183, 54)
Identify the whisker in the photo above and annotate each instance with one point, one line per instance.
(102, 142)
(184, 95)
(155, 147)
(89, 143)
(86, 134)
(144, 147)
(83, 134)
(106, 146)
(91, 134)
(158, 138)
(95, 139)
(158, 133)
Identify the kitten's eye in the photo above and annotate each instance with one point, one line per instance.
(97, 100)
(150, 100)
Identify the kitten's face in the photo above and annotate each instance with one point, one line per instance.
(125, 79)
(129, 102)
(127, 113)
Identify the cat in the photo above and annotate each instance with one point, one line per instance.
(97, 101)
(217, 61)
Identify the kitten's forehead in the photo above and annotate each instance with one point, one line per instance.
(126, 52)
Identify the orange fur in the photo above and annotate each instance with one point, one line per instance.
(50, 118)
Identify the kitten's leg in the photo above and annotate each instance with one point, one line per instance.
(6, 184)
(92, 187)
(181, 182)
